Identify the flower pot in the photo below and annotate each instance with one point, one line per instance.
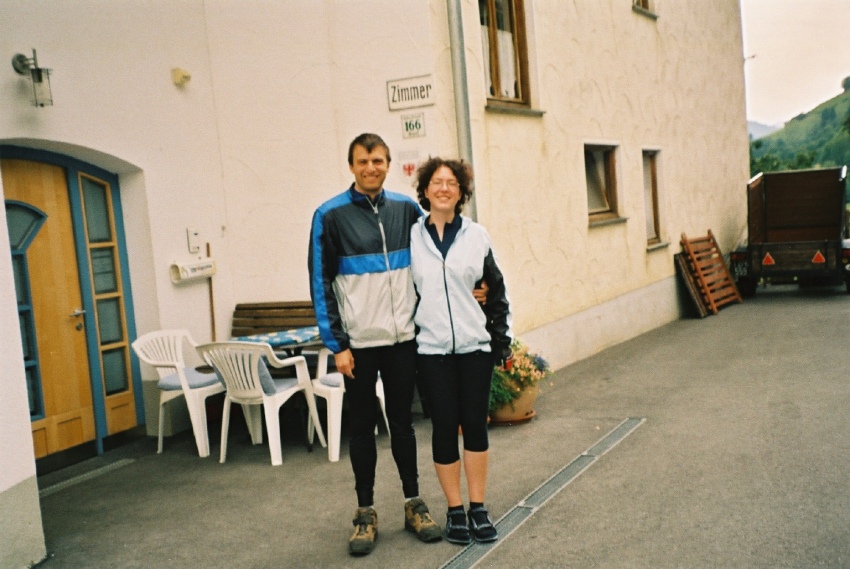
(520, 411)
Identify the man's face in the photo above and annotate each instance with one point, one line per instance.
(369, 169)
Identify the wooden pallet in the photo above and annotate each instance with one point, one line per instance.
(705, 262)
(690, 283)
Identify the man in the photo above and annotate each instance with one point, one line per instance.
(362, 291)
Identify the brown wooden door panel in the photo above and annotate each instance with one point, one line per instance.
(55, 288)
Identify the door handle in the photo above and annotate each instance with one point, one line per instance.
(77, 312)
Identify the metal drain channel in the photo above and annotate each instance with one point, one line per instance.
(83, 477)
(516, 516)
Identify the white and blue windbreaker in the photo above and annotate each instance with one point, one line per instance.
(359, 264)
(448, 318)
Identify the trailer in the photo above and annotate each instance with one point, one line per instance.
(795, 230)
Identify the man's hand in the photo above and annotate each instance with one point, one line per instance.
(345, 363)
(480, 293)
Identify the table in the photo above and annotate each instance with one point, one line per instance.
(290, 342)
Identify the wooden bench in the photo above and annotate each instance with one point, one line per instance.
(251, 318)
(263, 317)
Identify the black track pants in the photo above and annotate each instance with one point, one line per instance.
(397, 365)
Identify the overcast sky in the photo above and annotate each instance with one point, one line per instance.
(799, 53)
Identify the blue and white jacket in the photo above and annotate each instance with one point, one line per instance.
(448, 318)
(359, 264)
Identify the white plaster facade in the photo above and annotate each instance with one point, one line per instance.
(247, 149)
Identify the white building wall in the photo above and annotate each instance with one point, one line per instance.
(247, 149)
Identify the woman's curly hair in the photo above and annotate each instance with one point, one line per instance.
(459, 168)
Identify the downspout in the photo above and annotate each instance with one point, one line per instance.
(464, 132)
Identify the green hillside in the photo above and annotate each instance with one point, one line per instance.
(817, 139)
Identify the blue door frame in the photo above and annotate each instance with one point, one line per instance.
(72, 167)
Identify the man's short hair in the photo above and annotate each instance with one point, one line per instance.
(369, 141)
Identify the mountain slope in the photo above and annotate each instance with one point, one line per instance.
(816, 139)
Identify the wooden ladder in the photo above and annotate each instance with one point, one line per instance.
(706, 264)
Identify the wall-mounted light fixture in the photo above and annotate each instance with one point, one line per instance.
(39, 77)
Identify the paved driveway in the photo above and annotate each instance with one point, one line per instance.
(735, 453)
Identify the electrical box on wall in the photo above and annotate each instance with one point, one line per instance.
(193, 240)
(195, 270)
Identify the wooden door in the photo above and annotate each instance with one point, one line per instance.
(62, 413)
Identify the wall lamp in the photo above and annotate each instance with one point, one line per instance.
(39, 77)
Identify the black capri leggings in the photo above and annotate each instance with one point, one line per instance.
(457, 388)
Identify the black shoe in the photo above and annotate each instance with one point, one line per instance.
(481, 525)
(456, 529)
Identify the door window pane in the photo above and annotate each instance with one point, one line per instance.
(114, 371)
(23, 223)
(26, 333)
(20, 274)
(97, 211)
(103, 270)
(33, 393)
(109, 321)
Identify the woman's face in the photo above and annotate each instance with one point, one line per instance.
(443, 191)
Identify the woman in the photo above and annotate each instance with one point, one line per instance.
(456, 339)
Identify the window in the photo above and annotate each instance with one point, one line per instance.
(601, 182)
(24, 221)
(505, 54)
(650, 196)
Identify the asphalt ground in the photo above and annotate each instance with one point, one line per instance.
(715, 442)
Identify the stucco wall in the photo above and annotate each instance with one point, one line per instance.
(609, 75)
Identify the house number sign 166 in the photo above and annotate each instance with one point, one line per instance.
(413, 126)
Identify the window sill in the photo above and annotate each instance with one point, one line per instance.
(602, 222)
(657, 246)
(645, 12)
(494, 106)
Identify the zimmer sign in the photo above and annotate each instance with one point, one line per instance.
(410, 93)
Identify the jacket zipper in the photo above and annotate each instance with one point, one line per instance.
(387, 263)
(449, 305)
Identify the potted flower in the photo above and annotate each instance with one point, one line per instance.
(514, 387)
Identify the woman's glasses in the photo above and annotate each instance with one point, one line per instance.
(450, 184)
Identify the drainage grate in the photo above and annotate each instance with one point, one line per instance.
(620, 432)
(558, 481)
(516, 516)
(83, 477)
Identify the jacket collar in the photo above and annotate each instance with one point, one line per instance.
(363, 199)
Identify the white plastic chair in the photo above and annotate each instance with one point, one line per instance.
(331, 387)
(163, 350)
(243, 370)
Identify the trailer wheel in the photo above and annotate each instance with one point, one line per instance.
(747, 286)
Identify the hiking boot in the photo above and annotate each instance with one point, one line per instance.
(362, 541)
(481, 525)
(457, 530)
(418, 520)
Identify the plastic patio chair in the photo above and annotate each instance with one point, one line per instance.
(242, 366)
(163, 350)
(331, 387)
